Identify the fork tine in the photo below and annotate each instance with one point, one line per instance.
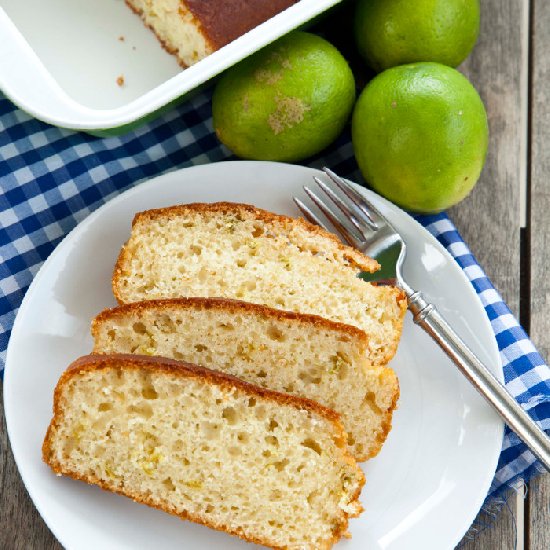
(359, 200)
(309, 215)
(350, 214)
(347, 232)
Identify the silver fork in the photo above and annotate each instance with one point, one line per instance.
(362, 226)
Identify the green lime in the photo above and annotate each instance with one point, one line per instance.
(395, 32)
(420, 136)
(286, 102)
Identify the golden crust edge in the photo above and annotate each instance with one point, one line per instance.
(195, 518)
(88, 362)
(167, 48)
(94, 362)
(403, 304)
(401, 299)
(351, 254)
(387, 422)
(357, 259)
(231, 306)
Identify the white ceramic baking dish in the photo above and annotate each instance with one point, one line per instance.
(60, 60)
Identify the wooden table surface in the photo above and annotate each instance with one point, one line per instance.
(505, 221)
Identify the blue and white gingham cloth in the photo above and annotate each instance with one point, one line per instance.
(51, 179)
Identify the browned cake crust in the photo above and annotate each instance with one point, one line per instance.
(386, 426)
(185, 370)
(360, 261)
(222, 21)
(180, 369)
(166, 47)
(226, 304)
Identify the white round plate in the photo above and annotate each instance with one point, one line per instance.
(423, 490)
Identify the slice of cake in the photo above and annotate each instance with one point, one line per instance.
(269, 467)
(241, 252)
(300, 354)
(193, 29)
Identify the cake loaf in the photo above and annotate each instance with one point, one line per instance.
(269, 467)
(300, 354)
(241, 252)
(193, 29)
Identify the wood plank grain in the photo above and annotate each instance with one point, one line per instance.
(495, 528)
(538, 498)
(489, 219)
(538, 514)
(21, 527)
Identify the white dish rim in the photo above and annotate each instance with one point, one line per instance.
(22, 73)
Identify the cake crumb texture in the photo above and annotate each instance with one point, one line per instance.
(299, 354)
(241, 252)
(268, 467)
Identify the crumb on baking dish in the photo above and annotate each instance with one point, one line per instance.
(121, 38)
(120, 81)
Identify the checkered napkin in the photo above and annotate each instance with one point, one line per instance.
(51, 179)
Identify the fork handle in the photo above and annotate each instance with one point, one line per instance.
(426, 316)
